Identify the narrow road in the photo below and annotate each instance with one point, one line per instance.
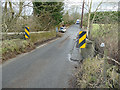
(45, 67)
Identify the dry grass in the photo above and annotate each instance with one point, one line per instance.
(38, 37)
(90, 75)
(11, 48)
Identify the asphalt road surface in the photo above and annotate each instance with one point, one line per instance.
(48, 66)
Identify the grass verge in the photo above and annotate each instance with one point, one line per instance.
(38, 37)
(11, 48)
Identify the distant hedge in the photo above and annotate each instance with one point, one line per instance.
(105, 17)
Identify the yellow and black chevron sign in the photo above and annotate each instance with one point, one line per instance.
(27, 32)
(82, 39)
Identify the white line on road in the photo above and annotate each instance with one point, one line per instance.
(47, 43)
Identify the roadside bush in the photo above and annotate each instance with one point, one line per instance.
(90, 75)
(107, 33)
(10, 48)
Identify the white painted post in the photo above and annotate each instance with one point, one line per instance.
(105, 61)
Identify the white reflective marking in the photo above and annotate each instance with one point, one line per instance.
(69, 56)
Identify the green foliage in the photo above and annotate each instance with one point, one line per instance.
(66, 17)
(70, 19)
(14, 45)
(54, 8)
(106, 17)
(11, 48)
(76, 16)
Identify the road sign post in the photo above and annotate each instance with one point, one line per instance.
(27, 33)
(56, 31)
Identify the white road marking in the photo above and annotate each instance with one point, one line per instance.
(46, 43)
(69, 56)
(41, 45)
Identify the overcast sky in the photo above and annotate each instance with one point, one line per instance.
(74, 5)
(107, 5)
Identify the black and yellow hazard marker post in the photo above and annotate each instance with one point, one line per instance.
(82, 39)
(27, 33)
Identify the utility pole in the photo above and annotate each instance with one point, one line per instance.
(82, 14)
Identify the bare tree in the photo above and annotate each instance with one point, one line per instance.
(89, 26)
(9, 15)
